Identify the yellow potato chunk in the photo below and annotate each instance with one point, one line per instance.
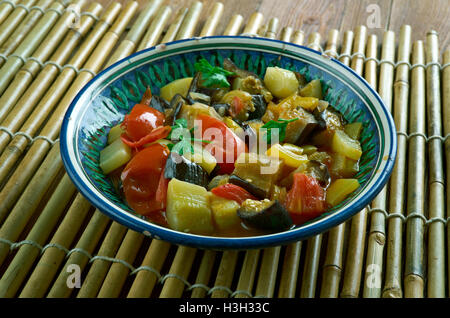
(224, 213)
(344, 145)
(115, 133)
(179, 86)
(188, 208)
(280, 82)
(340, 189)
(114, 156)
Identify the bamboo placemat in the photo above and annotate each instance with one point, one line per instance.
(396, 247)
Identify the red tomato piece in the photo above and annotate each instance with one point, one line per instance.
(306, 199)
(154, 135)
(236, 106)
(231, 191)
(141, 179)
(225, 147)
(141, 121)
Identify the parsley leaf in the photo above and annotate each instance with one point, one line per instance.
(279, 127)
(212, 75)
(183, 143)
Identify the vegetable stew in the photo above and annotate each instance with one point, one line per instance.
(226, 153)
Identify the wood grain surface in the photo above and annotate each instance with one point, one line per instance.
(323, 15)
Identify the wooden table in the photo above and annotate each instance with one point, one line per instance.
(323, 15)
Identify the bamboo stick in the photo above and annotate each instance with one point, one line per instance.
(314, 244)
(5, 9)
(247, 275)
(268, 272)
(234, 26)
(286, 34)
(22, 262)
(289, 272)
(48, 264)
(370, 75)
(8, 195)
(253, 24)
(436, 181)
(187, 28)
(156, 28)
(136, 33)
(272, 28)
(175, 26)
(100, 266)
(87, 243)
(359, 45)
(28, 46)
(371, 66)
(377, 234)
(145, 281)
(174, 285)
(356, 240)
(392, 286)
(414, 255)
(299, 37)
(310, 270)
(262, 30)
(118, 273)
(446, 119)
(29, 200)
(332, 267)
(23, 93)
(14, 19)
(347, 44)
(8, 42)
(204, 274)
(225, 274)
(213, 19)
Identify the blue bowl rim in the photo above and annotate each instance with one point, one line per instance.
(239, 243)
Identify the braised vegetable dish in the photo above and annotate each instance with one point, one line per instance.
(227, 153)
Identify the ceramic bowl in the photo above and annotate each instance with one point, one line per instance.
(104, 101)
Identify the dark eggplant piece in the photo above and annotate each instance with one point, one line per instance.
(265, 215)
(217, 181)
(298, 131)
(312, 168)
(329, 119)
(183, 169)
(215, 94)
(174, 108)
(231, 67)
(251, 188)
(196, 97)
(250, 137)
(222, 109)
(159, 103)
(260, 107)
(250, 82)
(319, 171)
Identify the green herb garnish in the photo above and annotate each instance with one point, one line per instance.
(280, 128)
(212, 75)
(183, 143)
